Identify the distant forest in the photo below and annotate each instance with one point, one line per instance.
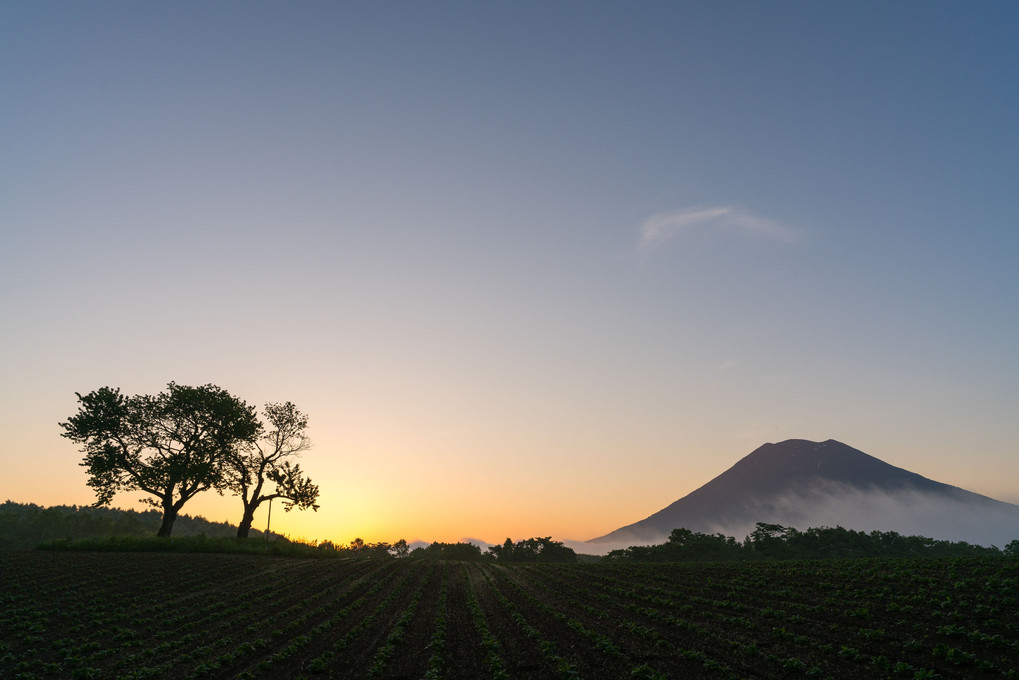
(25, 525)
(777, 542)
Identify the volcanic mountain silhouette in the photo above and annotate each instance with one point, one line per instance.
(804, 484)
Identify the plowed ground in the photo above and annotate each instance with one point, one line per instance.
(145, 615)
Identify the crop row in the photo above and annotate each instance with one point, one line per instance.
(133, 616)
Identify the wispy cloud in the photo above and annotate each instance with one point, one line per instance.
(659, 228)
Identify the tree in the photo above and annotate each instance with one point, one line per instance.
(770, 541)
(171, 445)
(533, 550)
(269, 458)
(504, 552)
(456, 552)
(689, 546)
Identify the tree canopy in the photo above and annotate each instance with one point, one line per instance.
(269, 458)
(171, 445)
(458, 552)
(533, 550)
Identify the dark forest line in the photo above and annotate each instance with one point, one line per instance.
(27, 526)
(777, 542)
(24, 526)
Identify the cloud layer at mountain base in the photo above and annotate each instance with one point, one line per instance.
(907, 512)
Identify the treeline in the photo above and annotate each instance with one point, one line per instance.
(527, 550)
(26, 525)
(777, 542)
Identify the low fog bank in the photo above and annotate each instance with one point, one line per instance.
(585, 548)
(910, 513)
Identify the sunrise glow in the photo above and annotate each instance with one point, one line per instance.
(531, 270)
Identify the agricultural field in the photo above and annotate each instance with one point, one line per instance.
(162, 615)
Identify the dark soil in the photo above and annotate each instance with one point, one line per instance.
(150, 615)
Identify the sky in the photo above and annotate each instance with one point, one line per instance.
(530, 268)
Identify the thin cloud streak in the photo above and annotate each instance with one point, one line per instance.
(661, 227)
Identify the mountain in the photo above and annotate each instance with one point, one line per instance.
(804, 484)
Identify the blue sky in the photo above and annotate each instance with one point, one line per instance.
(555, 264)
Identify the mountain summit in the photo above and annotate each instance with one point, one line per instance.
(803, 484)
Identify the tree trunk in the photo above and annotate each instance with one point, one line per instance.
(245, 526)
(169, 515)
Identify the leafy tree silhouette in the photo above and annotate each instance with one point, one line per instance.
(172, 445)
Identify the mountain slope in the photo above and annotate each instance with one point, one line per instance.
(803, 483)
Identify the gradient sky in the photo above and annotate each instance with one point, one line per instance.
(531, 268)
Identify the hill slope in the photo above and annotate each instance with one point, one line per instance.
(802, 483)
(26, 525)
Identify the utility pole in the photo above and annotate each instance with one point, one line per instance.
(268, 522)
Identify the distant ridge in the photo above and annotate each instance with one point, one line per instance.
(803, 483)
